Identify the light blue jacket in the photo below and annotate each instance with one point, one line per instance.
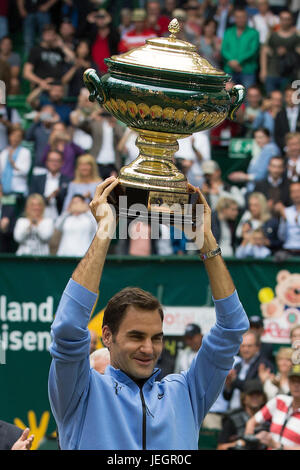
(110, 411)
(259, 168)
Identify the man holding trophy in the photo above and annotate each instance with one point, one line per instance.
(126, 408)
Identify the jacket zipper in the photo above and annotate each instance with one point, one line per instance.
(144, 420)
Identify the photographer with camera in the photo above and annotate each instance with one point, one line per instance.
(214, 187)
(234, 422)
(283, 414)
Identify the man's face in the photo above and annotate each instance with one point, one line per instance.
(289, 98)
(56, 92)
(276, 168)
(194, 342)
(248, 347)
(286, 20)
(240, 19)
(276, 98)
(6, 45)
(263, 6)
(293, 147)
(254, 98)
(295, 193)
(49, 37)
(137, 345)
(54, 162)
(294, 384)
(254, 401)
(153, 8)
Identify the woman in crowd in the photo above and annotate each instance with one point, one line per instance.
(209, 44)
(77, 226)
(15, 163)
(224, 220)
(83, 60)
(279, 383)
(60, 139)
(258, 166)
(33, 231)
(86, 179)
(255, 217)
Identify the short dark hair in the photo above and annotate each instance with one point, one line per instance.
(264, 130)
(129, 296)
(79, 195)
(55, 151)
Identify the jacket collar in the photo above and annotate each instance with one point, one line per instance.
(120, 376)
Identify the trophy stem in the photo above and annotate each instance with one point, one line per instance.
(154, 168)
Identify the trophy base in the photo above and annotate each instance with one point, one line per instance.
(150, 205)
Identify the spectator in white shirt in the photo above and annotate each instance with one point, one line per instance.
(289, 226)
(264, 21)
(52, 185)
(33, 232)
(77, 226)
(292, 153)
(15, 163)
(86, 179)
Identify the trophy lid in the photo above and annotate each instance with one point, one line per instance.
(169, 54)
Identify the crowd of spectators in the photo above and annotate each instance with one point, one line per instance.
(64, 145)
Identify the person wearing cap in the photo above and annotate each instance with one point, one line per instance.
(214, 187)
(46, 62)
(234, 422)
(283, 414)
(193, 340)
(257, 325)
(138, 35)
(103, 36)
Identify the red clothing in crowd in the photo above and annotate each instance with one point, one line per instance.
(162, 25)
(100, 51)
(285, 422)
(133, 39)
(3, 7)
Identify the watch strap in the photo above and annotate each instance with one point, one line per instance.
(211, 254)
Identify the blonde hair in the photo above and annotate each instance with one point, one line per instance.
(224, 203)
(292, 135)
(57, 137)
(284, 353)
(265, 212)
(87, 158)
(33, 197)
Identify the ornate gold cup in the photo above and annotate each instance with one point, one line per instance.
(164, 91)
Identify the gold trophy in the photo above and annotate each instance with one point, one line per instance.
(164, 91)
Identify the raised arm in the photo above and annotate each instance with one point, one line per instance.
(89, 270)
(220, 280)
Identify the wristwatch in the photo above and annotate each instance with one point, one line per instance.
(211, 254)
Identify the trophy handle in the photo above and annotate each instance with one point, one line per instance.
(238, 93)
(95, 86)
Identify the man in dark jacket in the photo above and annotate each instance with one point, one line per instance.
(246, 369)
(13, 438)
(52, 185)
